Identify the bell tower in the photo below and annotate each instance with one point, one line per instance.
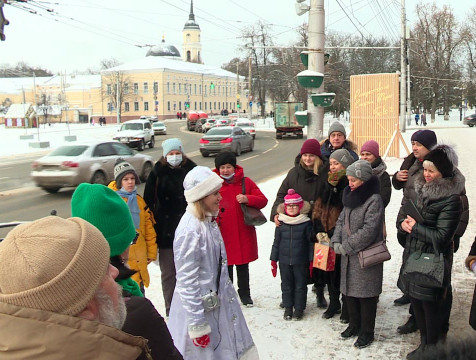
(192, 47)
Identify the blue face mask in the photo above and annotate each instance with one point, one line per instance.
(228, 177)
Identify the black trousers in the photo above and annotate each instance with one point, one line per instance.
(243, 275)
(428, 319)
(294, 285)
(362, 313)
(332, 279)
(319, 278)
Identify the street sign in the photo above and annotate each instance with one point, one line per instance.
(238, 96)
(251, 103)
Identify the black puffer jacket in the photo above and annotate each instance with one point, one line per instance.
(440, 206)
(292, 243)
(303, 181)
(164, 195)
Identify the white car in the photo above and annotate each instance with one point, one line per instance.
(247, 126)
(136, 133)
(159, 128)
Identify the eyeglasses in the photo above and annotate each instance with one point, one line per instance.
(135, 238)
(292, 205)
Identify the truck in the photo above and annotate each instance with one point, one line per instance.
(285, 121)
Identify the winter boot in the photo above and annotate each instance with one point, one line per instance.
(333, 309)
(364, 340)
(298, 314)
(288, 313)
(415, 354)
(321, 300)
(409, 327)
(402, 300)
(349, 332)
(245, 298)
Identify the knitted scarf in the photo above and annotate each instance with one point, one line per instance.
(132, 203)
(333, 178)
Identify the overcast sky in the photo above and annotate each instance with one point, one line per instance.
(73, 35)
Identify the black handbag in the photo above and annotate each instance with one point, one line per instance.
(425, 269)
(252, 216)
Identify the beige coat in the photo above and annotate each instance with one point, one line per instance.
(42, 335)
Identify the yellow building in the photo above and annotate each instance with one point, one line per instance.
(161, 84)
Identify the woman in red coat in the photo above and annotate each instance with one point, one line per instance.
(240, 239)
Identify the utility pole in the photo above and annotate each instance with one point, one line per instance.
(118, 100)
(316, 30)
(249, 87)
(403, 69)
(409, 101)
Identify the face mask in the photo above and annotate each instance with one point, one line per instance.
(174, 160)
(227, 177)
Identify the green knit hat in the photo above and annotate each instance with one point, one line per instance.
(106, 210)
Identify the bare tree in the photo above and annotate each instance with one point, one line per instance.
(114, 82)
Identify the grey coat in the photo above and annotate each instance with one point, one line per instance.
(363, 212)
(199, 253)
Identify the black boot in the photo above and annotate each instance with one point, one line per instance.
(333, 309)
(321, 300)
(288, 313)
(349, 332)
(409, 327)
(298, 314)
(364, 340)
(246, 300)
(402, 300)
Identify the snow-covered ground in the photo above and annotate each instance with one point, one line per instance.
(314, 337)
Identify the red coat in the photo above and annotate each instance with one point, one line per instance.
(240, 239)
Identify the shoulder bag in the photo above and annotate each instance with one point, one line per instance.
(376, 253)
(425, 269)
(252, 216)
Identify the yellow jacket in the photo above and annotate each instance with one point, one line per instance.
(146, 247)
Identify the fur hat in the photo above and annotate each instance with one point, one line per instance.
(311, 146)
(343, 157)
(425, 137)
(106, 210)
(361, 169)
(372, 147)
(199, 183)
(121, 169)
(223, 158)
(172, 144)
(444, 158)
(336, 126)
(53, 264)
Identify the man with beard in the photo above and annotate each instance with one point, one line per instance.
(58, 296)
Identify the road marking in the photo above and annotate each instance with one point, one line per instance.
(274, 147)
(3, 178)
(248, 158)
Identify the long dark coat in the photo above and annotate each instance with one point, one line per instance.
(472, 314)
(164, 195)
(440, 205)
(363, 214)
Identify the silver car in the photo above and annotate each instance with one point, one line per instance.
(247, 126)
(159, 128)
(225, 138)
(71, 165)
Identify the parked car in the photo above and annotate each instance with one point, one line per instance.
(159, 128)
(470, 120)
(225, 138)
(440, 112)
(71, 165)
(136, 133)
(221, 122)
(247, 126)
(199, 125)
(209, 123)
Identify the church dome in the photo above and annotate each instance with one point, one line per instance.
(163, 49)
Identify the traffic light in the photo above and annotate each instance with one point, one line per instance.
(238, 104)
(187, 104)
(212, 86)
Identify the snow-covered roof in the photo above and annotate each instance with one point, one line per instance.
(72, 82)
(158, 63)
(18, 110)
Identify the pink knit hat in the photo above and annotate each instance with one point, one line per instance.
(372, 147)
(293, 198)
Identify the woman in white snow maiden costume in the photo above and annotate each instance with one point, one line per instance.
(205, 320)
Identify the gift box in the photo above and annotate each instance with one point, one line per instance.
(324, 257)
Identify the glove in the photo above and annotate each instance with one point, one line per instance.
(274, 268)
(339, 249)
(202, 341)
(310, 269)
(473, 267)
(322, 237)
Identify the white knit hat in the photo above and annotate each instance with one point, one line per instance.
(53, 264)
(199, 183)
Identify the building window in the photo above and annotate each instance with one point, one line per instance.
(136, 88)
(168, 105)
(195, 106)
(136, 106)
(146, 106)
(168, 88)
(109, 106)
(200, 87)
(126, 106)
(156, 87)
(146, 88)
(179, 88)
(173, 88)
(108, 89)
(200, 105)
(189, 55)
(210, 105)
(214, 105)
(180, 105)
(195, 89)
(205, 105)
(126, 88)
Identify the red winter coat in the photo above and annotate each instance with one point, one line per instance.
(240, 239)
